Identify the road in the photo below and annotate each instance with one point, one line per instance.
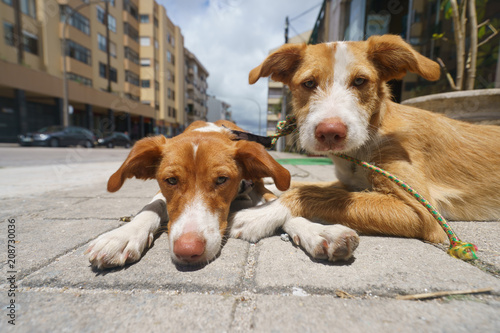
(15, 156)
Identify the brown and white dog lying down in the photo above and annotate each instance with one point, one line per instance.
(342, 104)
(200, 173)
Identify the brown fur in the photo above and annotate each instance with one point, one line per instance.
(455, 165)
(217, 155)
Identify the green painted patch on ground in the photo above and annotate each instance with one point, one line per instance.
(305, 161)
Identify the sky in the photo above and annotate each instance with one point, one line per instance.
(231, 37)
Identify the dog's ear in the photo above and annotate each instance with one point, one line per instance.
(142, 162)
(257, 163)
(394, 57)
(280, 65)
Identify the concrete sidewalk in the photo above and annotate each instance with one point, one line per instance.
(270, 286)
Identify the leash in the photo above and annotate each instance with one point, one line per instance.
(458, 249)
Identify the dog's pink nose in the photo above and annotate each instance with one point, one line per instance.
(189, 246)
(331, 132)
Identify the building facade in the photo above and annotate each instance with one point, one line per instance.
(124, 64)
(196, 88)
(218, 110)
(275, 91)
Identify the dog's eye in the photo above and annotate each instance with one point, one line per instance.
(221, 180)
(309, 84)
(171, 180)
(359, 81)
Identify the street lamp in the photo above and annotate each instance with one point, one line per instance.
(65, 78)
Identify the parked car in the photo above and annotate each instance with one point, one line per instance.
(115, 139)
(59, 136)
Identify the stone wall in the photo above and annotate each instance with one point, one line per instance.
(475, 106)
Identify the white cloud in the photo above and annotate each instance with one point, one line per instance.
(230, 37)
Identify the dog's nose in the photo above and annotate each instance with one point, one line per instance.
(331, 132)
(189, 246)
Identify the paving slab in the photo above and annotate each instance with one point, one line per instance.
(154, 271)
(99, 208)
(46, 310)
(36, 180)
(382, 266)
(329, 314)
(485, 235)
(41, 241)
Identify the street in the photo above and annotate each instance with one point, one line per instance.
(16, 156)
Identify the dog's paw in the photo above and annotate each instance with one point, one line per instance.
(330, 242)
(258, 222)
(118, 247)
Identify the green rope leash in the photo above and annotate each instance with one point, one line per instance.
(458, 249)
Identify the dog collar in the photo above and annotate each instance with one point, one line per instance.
(266, 141)
(283, 128)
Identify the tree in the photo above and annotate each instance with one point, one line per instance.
(459, 13)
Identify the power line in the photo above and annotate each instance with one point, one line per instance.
(307, 11)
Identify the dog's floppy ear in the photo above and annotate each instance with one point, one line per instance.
(141, 162)
(280, 65)
(257, 163)
(394, 57)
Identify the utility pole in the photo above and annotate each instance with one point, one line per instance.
(282, 141)
(108, 56)
(18, 31)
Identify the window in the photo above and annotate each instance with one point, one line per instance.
(28, 7)
(157, 85)
(30, 42)
(169, 56)
(80, 79)
(144, 18)
(103, 69)
(131, 9)
(112, 49)
(145, 62)
(130, 31)
(101, 14)
(155, 20)
(8, 2)
(131, 55)
(156, 44)
(132, 78)
(78, 52)
(8, 30)
(76, 20)
(101, 41)
(101, 17)
(145, 41)
(132, 97)
(145, 83)
(111, 23)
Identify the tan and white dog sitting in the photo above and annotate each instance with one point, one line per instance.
(342, 104)
(202, 173)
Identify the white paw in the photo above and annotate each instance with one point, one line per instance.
(331, 242)
(258, 222)
(119, 246)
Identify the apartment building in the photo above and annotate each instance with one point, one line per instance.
(196, 88)
(218, 110)
(162, 84)
(124, 64)
(275, 93)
